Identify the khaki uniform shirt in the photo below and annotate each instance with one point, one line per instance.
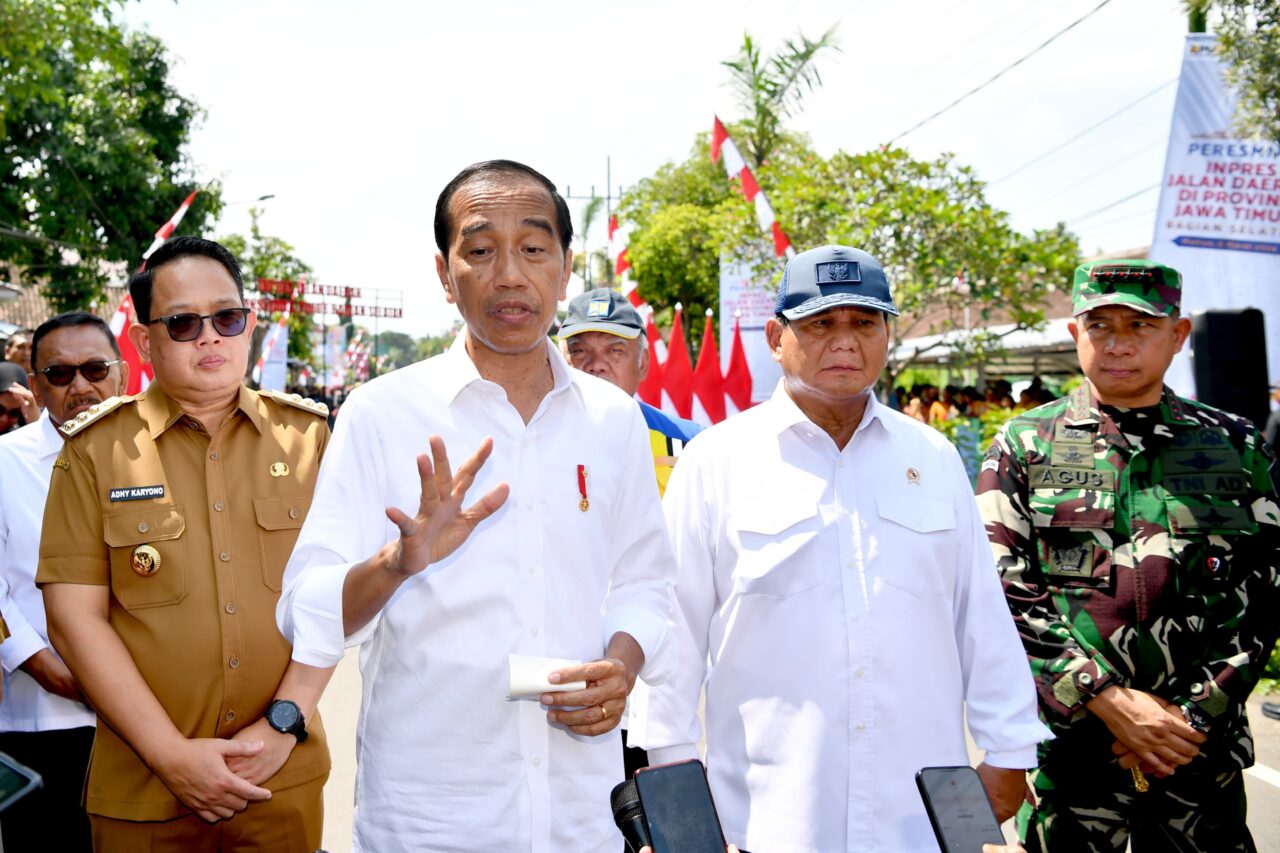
(192, 536)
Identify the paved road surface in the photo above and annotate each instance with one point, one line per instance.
(341, 705)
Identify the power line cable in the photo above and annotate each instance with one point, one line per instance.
(1144, 212)
(1077, 181)
(1083, 133)
(1116, 203)
(1002, 72)
(985, 35)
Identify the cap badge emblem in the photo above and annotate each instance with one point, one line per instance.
(598, 308)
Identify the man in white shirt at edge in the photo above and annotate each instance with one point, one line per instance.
(832, 563)
(564, 554)
(44, 722)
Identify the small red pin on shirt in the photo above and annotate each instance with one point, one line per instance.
(585, 503)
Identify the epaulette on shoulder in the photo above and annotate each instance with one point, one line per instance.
(298, 402)
(93, 415)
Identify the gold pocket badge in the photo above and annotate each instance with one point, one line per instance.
(913, 476)
(146, 561)
(279, 469)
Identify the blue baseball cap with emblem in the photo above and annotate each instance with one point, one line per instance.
(832, 277)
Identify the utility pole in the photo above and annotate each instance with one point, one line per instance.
(609, 199)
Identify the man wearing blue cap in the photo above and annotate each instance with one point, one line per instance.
(833, 566)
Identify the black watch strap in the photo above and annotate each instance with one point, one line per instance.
(286, 717)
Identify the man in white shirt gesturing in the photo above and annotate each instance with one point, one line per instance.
(559, 551)
(832, 564)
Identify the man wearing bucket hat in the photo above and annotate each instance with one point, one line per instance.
(1137, 536)
(833, 565)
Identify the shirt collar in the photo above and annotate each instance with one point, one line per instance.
(1082, 408)
(460, 371)
(160, 411)
(50, 438)
(785, 414)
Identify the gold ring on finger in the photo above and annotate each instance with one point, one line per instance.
(604, 713)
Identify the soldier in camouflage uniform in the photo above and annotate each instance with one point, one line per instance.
(1138, 537)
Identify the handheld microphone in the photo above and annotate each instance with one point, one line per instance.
(628, 814)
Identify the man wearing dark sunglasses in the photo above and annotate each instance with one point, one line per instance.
(161, 568)
(44, 722)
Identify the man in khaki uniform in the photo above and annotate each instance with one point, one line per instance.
(169, 521)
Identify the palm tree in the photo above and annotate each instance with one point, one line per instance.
(772, 88)
(590, 211)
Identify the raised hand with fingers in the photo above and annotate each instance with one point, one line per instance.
(441, 524)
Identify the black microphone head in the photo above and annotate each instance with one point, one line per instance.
(624, 799)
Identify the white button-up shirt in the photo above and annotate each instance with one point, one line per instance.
(851, 610)
(26, 463)
(445, 761)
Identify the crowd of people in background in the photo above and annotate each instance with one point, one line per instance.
(929, 404)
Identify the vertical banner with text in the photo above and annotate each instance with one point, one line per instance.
(754, 302)
(1218, 219)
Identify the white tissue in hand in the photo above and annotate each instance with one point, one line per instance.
(528, 678)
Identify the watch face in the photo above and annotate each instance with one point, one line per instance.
(283, 715)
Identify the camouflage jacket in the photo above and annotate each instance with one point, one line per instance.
(1146, 558)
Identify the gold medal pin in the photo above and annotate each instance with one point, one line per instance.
(585, 503)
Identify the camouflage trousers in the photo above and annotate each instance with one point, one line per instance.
(1087, 802)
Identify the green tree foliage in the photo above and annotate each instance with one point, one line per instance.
(431, 345)
(265, 256)
(943, 246)
(399, 348)
(770, 89)
(1249, 35)
(93, 142)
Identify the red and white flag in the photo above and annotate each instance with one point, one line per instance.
(708, 383)
(737, 379)
(722, 147)
(650, 389)
(140, 375)
(677, 372)
(166, 230)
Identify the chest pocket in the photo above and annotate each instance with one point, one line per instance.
(777, 548)
(1074, 531)
(1207, 534)
(148, 556)
(279, 520)
(913, 564)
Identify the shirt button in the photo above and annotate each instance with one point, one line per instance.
(529, 505)
(857, 617)
(840, 462)
(219, 506)
(533, 570)
(231, 607)
(193, 424)
(143, 527)
(851, 565)
(536, 761)
(224, 556)
(234, 663)
(214, 455)
(859, 672)
(293, 512)
(229, 716)
(533, 632)
(862, 727)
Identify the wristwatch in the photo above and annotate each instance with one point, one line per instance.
(286, 717)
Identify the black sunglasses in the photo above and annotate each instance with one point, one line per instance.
(63, 374)
(228, 323)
